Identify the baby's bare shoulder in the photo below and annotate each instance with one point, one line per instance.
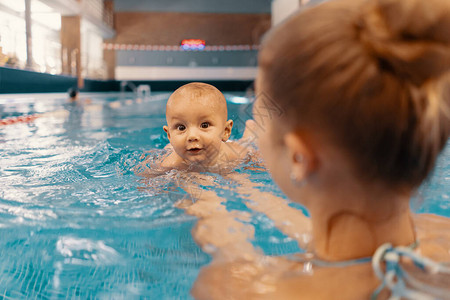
(235, 150)
(171, 161)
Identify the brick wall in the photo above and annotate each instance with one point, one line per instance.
(170, 28)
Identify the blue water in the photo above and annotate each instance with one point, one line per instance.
(76, 222)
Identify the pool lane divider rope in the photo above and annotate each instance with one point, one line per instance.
(31, 118)
(21, 119)
(63, 112)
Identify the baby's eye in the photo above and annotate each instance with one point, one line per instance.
(204, 125)
(181, 127)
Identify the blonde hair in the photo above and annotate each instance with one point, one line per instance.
(372, 75)
(198, 89)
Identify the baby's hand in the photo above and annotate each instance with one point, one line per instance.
(250, 130)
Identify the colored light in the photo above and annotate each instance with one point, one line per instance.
(192, 44)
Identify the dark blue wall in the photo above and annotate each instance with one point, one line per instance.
(22, 81)
(201, 6)
(184, 58)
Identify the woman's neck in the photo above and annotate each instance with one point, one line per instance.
(358, 226)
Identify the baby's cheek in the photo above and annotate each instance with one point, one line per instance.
(177, 143)
(214, 145)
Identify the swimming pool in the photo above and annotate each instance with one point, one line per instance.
(75, 220)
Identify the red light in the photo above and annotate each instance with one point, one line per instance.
(192, 44)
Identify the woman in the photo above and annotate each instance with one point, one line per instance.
(363, 91)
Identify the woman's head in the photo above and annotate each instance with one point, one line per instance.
(370, 77)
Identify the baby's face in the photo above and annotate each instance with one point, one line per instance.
(197, 127)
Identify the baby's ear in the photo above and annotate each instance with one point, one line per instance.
(227, 131)
(166, 129)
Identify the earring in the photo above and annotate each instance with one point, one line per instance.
(299, 158)
(297, 182)
(294, 178)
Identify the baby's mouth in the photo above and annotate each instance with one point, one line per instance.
(194, 150)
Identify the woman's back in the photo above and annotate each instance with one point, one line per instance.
(259, 277)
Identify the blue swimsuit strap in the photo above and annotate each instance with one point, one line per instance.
(339, 264)
(393, 277)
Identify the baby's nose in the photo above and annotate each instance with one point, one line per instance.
(192, 135)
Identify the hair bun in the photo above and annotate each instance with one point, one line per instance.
(410, 38)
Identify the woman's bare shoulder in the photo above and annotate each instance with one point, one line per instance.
(283, 280)
(433, 234)
(430, 223)
(428, 219)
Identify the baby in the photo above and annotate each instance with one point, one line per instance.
(198, 130)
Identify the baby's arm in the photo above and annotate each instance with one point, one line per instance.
(250, 131)
(157, 162)
(172, 160)
(246, 145)
(248, 139)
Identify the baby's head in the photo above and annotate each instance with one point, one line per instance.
(368, 78)
(197, 125)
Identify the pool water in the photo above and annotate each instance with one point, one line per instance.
(77, 222)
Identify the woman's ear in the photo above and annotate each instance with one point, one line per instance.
(301, 155)
(227, 131)
(166, 129)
